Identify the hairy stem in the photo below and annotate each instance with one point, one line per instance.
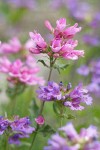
(42, 104)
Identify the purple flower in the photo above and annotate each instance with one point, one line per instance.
(15, 139)
(94, 69)
(22, 125)
(71, 98)
(92, 40)
(76, 8)
(77, 96)
(16, 128)
(95, 23)
(4, 123)
(67, 138)
(30, 4)
(50, 92)
(83, 70)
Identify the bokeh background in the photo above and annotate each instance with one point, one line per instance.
(19, 17)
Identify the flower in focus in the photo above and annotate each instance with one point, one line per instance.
(62, 44)
(50, 92)
(71, 98)
(87, 139)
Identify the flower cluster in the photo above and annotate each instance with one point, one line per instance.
(13, 46)
(93, 68)
(87, 139)
(62, 44)
(16, 129)
(18, 71)
(71, 98)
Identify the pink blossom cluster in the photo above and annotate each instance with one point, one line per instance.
(62, 44)
(19, 71)
(13, 46)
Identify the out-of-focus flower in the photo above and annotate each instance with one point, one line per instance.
(16, 128)
(22, 125)
(13, 46)
(71, 98)
(95, 23)
(77, 7)
(83, 70)
(87, 139)
(40, 120)
(3, 124)
(94, 70)
(31, 4)
(62, 44)
(91, 40)
(24, 72)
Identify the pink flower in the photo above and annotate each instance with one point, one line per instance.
(61, 31)
(56, 45)
(49, 26)
(24, 72)
(61, 24)
(15, 67)
(4, 65)
(62, 44)
(16, 45)
(38, 45)
(74, 54)
(40, 120)
(71, 31)
(13, 46)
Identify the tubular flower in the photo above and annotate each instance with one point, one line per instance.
(62, 44)
(69, 97)
(17, 128)
(24, 72)
(87, 139)
(13, 46)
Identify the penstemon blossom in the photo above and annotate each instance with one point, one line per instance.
(67, 138)
(19, 71)
(62, 44)
(67, 96)
(16, 129)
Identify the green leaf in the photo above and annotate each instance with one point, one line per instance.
(47, 129)
(56, 107)
(61, 67)
(42, 61)
(70, 116)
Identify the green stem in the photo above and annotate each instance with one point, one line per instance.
(61, 115)
(42, 104)
(6, 146)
